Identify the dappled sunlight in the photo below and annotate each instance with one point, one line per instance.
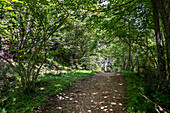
(89, 111)
(94, 97)
(57, 85)
(61, 98)
(102, 107)
(115, 90)
(93, 106)
(95, 103)
(113, 103)
(95, 93)
(120, 84)
(59, 108)
(105, 92)
(70, 98)
(118, 74)
(42, 88)
(75, 101)
(105, 96)
(110, 109)
(107, 104)
(114, 97)
(100, 103)
(91, 100)
(120, 104)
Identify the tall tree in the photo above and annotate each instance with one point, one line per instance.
(160, 50)
(164, 13)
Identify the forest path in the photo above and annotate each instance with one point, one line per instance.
(100, 93)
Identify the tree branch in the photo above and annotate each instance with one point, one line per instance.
(57, 27)
(158, 108)
(11, 64)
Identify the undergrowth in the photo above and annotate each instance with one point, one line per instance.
(47, 85)
(135, 89)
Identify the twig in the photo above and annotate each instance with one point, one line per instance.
(158, 108)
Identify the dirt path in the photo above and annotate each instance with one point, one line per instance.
(101, 93)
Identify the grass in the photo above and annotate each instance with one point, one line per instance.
(47, 85)
(135, 102)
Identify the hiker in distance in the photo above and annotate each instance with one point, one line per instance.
(106, 63)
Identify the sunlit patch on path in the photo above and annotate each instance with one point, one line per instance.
(101, 93)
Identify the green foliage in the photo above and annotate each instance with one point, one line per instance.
(47, 86)
(161, 99)
(19, 102)
(135, 102)
(28, 26)
(82, 73)
(77, 34)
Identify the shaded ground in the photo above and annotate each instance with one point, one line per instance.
(101, 93)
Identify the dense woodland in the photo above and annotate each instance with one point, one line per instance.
(38, 37)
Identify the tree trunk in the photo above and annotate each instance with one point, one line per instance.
(166, 23)
(147, 52)
(137, 61)
(160, 51)
(130, 63)
(124, 60)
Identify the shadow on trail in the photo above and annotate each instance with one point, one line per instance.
(101, 93)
